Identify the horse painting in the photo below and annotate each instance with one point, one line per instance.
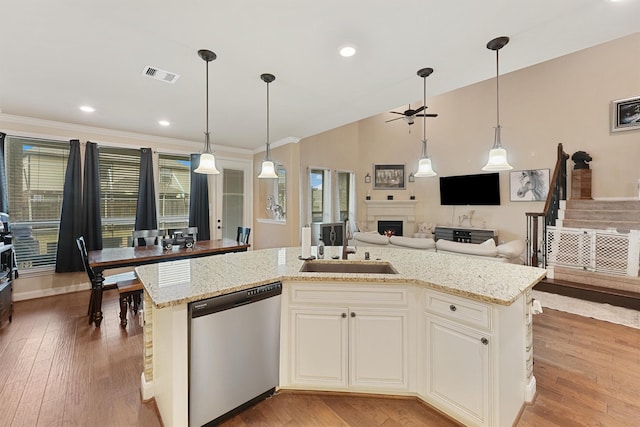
(274, 209)
(533, 184)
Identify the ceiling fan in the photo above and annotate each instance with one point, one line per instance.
(409, 114)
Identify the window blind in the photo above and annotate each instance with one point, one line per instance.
(174, 185)
(119, 180)
(35, 174)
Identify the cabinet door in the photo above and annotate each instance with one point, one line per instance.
(378, 349)
(457, 369)
(319, 347)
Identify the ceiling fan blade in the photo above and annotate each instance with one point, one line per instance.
(419, 109)
(426, 115)
(396, 112)
(394, 119)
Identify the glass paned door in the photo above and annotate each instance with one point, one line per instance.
(233, 198)
(232, 202)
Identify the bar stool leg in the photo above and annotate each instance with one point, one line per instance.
(123, 311)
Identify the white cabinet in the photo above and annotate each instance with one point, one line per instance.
(473, 358)
(360, 346)
(319, 346)
(457, 367)
(378, 353)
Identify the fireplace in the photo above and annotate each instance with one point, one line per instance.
(395, 227)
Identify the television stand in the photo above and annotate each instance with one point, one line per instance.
(465, 235)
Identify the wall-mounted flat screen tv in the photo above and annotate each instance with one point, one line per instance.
(480, 189)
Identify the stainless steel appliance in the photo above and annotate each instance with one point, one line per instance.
(234, 352)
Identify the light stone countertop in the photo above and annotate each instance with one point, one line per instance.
(184, 281)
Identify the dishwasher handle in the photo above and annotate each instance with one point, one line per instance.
(234, 299)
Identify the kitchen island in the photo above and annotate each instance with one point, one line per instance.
(450, 330)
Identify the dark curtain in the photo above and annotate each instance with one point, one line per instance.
(67, 258)
(91, 220)
(146, 214)
(4, 201)
(199, 201)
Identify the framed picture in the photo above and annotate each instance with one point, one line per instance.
(388, 177)
(625, 114)
(529, 185)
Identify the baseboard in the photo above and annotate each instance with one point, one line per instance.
(49, 292)
(530, 390)
(146, 389)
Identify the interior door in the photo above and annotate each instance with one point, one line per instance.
(233, 198)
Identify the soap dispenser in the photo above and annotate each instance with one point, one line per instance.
(320, 248)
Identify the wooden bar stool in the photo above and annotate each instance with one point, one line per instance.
(130, 295)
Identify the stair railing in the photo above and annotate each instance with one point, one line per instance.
(536, 253)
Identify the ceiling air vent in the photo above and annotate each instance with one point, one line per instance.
(158, 74)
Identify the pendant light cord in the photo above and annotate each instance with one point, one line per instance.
(497, 88)
(268, 143)
(424, 118)
(207, 147)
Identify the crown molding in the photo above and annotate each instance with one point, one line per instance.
(103, 132)
(280, 143)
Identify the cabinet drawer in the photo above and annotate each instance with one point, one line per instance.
(461, 310)
(349, 294)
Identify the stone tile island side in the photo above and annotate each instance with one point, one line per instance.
(443, 299)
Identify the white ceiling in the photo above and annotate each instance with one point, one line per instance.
(58, 55)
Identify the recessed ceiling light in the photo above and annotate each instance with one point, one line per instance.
(347, 51)
(163, 122)
(87, 109)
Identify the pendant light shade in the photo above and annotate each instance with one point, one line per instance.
(425, 169)
(207, 163)
(268, 167)
(497, 155)
(424, 164)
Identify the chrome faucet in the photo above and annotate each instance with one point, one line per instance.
(345, 241)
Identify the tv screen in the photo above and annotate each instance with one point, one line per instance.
(480, 189)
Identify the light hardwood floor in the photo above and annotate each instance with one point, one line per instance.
(56, 369)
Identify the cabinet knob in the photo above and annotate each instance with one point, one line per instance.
(343, 315)
(353, 314)
(452, 307)
(484, 341)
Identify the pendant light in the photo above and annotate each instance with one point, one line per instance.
(268, 167)
(207, 159)
(497, 154)
(424, 164)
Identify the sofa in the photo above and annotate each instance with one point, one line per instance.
(510, 252)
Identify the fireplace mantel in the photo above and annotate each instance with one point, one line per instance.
(392, 210)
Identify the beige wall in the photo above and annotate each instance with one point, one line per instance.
(565, 100)
(269, 234)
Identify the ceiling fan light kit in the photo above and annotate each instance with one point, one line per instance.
(207, 159)
(425, 169)
(268, 167)
(497, 155)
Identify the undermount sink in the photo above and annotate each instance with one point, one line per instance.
(348, 267)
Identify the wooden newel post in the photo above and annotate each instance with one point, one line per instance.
(581, 184)
(581, 176)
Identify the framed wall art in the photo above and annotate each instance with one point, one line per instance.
(388, 177)
(625, 114)
(529, 185)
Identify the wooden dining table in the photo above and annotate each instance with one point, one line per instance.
(109, 258)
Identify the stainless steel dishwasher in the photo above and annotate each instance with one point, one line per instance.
(234, 350)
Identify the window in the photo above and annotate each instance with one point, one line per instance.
(332, 195)
(344, 195)
(173, 192)
(35, 174)
(119, 180)
(317, 180)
